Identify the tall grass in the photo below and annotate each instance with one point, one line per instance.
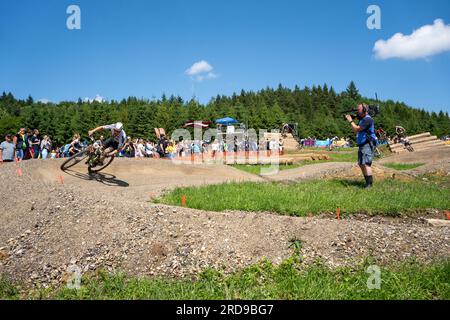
(410, 280)
(390, 197)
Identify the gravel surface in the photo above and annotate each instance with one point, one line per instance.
(50, 224)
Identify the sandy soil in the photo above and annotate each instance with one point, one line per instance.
(433, 160)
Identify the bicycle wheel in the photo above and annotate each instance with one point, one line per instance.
(74, 159)
(100, 168)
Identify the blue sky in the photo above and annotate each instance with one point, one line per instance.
(143, 48)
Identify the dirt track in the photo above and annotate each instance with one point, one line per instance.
(106, 221)
(433, 161)
(136, 179)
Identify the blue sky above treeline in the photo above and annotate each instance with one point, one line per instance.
(204, 48)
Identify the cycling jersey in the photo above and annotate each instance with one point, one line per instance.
(120, 139)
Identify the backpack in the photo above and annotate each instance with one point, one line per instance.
(66, 148)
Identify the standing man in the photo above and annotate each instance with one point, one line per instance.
(366, 140)
(7, 150)
(162, 145)
(21, 143)
(35, 143)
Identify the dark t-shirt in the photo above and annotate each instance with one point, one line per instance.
(161, 146)
(22, 143)
(34, 140)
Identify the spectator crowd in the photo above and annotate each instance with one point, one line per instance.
(29, 144)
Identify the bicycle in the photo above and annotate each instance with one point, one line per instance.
(407, 144)
(405, 141)
(93, 153)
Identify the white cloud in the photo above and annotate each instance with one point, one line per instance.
(424, 42)
(44, 101)
(97, 98)
(198, 68)
(208, 76)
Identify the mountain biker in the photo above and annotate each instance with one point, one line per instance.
(402, 138)
(381, 135)
(380, 132)
(115, 143)
(400, 131)
(332, 142)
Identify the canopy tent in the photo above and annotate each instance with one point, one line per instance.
(226, 121)
(322, 143)
(197, 124)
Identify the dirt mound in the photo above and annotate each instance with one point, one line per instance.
(433, 160)
(95, 223)
(137, 178)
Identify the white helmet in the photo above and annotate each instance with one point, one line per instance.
(118, 126)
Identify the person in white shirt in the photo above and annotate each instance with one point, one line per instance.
(116, 142)
(149, 149)
(215, 146)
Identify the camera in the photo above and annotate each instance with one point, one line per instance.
(373, 111)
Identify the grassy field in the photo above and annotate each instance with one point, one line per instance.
(334, 157)
(403, 166)
(263, 281)
(389, 197)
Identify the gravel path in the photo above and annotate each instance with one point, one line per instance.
(315, 171)
(48, 226)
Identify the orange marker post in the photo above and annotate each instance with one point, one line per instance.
(183, 200)
(338, 213)
(447, 214)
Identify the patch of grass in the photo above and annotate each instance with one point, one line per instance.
(334, 157)
(7, 288)
(388, 197)
(403, 166)
(343, 157)
(289, 280)
(443, 181)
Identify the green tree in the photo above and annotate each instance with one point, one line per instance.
(352, 92)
